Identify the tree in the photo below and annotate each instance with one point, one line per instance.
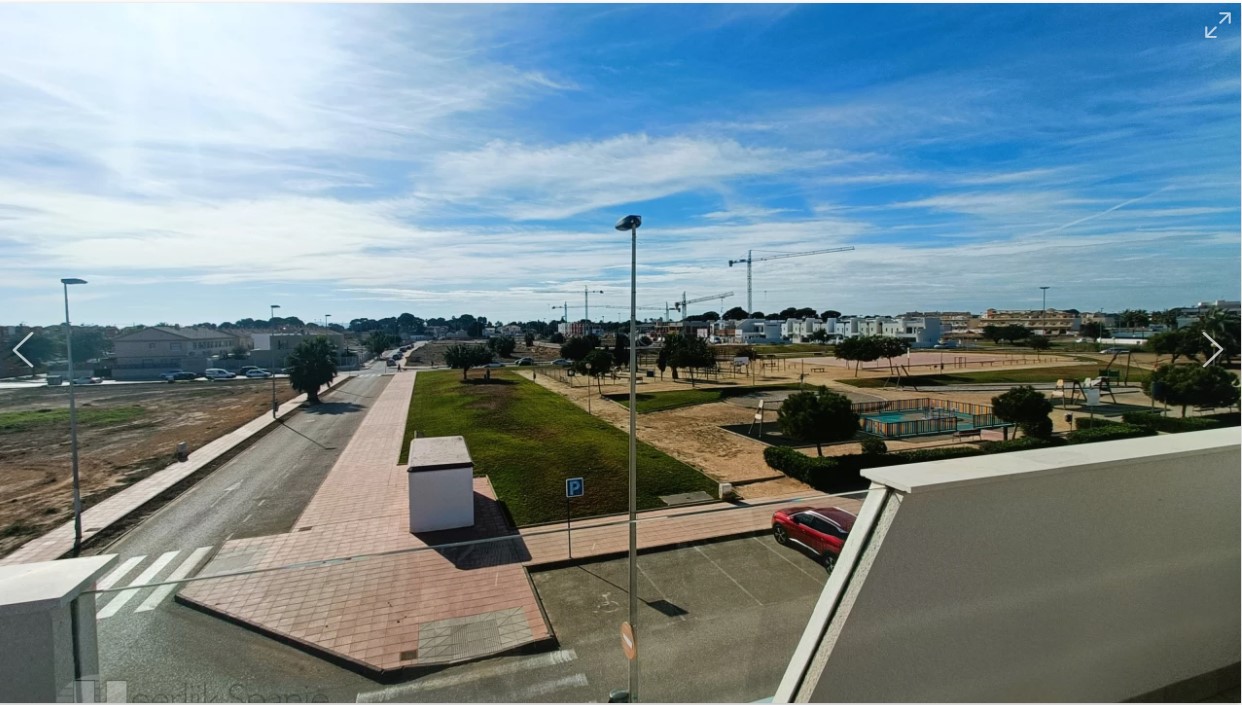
(556, 338)
(1134, 318)
(1186, 385)
(774, 317)
(819, 336)
(1038, 342)
(311, 365)
(377, 342)
(662, 359)
(1027, 408)
(529, 339)
(621, 350)
(576, 348)
(1014, 333)
(1218, 323)
(690, 353)
(993, 333)
(239, 352)
(830, 313)
(709, 316)
(644, 341)
(819, 416)
(890, 348)
(736, 313)
(757, 314)
(502, 345)
(596, 364)
(463, 357)
(1168, 318)
(858, 349)
(1093, 330)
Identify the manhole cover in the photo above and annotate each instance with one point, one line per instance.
(686, 498)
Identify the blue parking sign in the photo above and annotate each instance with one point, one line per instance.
(575, 487)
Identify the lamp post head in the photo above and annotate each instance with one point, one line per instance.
(629, 222)
(72, 280)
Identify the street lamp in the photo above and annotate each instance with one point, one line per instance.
(631, 223)
(326, 316)
(271, 348)
(73, 424)
(1045, 290)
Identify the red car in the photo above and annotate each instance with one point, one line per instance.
(821, 530)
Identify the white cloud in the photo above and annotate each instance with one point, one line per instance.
(527, 182)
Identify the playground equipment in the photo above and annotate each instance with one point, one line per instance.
(1089, 390)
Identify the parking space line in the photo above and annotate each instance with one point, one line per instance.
(730, 577)
(783, 557)
(663, 595)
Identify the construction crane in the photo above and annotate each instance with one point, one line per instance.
(683, 304)
(751, 259)
(586, 301)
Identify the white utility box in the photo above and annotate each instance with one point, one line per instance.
(441, 480)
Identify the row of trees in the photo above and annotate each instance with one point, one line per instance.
(1190, 342)
(869, 348)
(738, 313)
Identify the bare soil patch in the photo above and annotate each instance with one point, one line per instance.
(36, 486)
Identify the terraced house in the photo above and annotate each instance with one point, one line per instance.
(145, 353)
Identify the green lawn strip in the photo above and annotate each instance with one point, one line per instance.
(678, 398)
(1038, 374)
(13, 421)
(528, 440)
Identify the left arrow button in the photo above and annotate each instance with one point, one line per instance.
(23, 357)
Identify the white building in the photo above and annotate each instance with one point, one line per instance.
(922, 332)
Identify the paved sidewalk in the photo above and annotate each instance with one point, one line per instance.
(58, 542)
(351, 583)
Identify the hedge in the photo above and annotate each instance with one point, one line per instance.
(1114, 432)
(1023, 443)
(843, 472)
(1084, 422)
(1171, 424)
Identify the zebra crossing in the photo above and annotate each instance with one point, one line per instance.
(109, 604)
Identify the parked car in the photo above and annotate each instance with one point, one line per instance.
(391, 363)
(820, 530)
(87, 379)
(525, 361)
(218, 373)
(177, 375)
(55, 380)
(258, 373)
(562, 362)
(1114, 351)
(242, 372)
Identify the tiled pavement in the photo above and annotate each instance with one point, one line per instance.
(386, 599)
(59, 541)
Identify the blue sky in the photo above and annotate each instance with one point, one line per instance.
(200, 162)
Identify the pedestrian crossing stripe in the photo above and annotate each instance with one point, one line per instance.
(152, 574)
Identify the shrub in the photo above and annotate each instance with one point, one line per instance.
(1027, 408)
(1168, 424)
(874, 446)
(1024, 443)
(1115, 432)
(1089, 422)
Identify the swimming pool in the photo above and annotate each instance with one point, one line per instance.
(901, 418)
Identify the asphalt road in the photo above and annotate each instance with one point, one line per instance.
(165, 651)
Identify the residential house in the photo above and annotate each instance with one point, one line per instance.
(147, 352)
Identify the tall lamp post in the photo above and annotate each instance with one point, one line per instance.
(73, 424)
(271, 347)
(631, 223)
(326, 316)
(1045, 290)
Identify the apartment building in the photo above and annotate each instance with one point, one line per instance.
(145, 353)
(922, 332)
(1050, 322)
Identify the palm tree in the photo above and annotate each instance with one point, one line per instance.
(311, 365)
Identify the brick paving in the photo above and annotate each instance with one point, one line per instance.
(58, 542)
(381, 599)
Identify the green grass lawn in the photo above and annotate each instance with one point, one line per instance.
(1038, 374)
(529, 440)
(677, 398)
(12, 421)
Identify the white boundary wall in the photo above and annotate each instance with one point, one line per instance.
(1095, 572)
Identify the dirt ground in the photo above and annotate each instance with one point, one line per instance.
(432, 353)
(35, 475)
(693, 434)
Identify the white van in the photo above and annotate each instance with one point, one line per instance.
(217, 373)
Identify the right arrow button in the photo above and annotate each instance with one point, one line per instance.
(1216, 345)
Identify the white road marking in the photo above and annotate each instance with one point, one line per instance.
(145, 577)
(730, 577)
(399, 693)
(786, 558)
(533, 693)
(182, 570)
(120, 572)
